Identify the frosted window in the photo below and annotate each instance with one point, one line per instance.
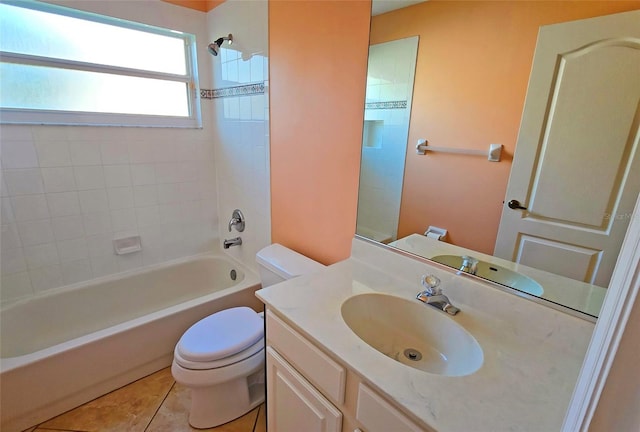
(43, 88)
(61, 60)
(34, 32)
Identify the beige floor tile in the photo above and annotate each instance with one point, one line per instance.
(130, 408)
(53, 430)
(173, 416)
(261, 422)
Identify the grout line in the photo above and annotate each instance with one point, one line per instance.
(58, 430)
(159, 406)
(255, 423)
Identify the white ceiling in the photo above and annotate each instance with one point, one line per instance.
(381, 6)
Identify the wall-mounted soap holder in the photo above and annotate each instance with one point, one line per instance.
(127, 245)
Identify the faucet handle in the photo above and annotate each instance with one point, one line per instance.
(237, 221)
(430, 283)
(469, 264)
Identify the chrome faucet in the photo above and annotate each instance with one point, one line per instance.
(469, 264)
(232, 242)
(237, 221)
(432, 295)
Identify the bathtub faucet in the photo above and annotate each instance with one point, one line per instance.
(232, 242)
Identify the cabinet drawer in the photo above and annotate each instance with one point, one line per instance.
(327, 375)
(378, 415)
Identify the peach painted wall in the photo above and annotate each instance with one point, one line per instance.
(474, 60)
(318, 67)
(200, 5)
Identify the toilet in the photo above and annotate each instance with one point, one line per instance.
(221, 358)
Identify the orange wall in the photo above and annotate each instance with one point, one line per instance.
(317, 72)
(474, 59)
(200, 5)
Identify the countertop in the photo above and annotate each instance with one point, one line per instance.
(581, 296)
(532, 353)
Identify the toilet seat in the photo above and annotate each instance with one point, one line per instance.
(215, 364)
(221, 339)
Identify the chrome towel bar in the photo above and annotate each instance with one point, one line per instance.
(493, 154)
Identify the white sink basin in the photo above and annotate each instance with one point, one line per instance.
(413, 334)
(496, 273)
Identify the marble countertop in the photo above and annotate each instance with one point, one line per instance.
(532, 353)
(572, 293)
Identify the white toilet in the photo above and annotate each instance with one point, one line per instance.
(221, 357)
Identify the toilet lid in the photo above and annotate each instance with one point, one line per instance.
(221, 335)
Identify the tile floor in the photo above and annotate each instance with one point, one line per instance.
(155, 403)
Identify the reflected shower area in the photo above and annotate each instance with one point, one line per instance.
(390, 77)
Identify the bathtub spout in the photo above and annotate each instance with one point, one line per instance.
(232, 242)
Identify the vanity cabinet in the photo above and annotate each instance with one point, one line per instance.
(294, 404)
(376, 414)
(307, 390)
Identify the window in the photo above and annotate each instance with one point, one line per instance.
(63, 66)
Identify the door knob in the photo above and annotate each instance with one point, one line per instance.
(515, 205)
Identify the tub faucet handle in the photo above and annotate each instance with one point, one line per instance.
(237, 221)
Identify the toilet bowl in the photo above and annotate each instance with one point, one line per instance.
(221, 357)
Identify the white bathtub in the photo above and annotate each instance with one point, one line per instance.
(73, 344)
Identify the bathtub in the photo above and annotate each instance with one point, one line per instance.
(70, 345)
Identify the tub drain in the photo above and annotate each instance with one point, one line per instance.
(412, 354)
(233, 275)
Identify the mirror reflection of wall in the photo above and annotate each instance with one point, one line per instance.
(390, 77)
(472, 70)
(473, 66)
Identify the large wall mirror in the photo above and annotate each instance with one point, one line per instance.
(548, 219)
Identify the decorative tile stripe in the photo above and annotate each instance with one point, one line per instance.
(386, 105)
(243, 90)
(206, 94)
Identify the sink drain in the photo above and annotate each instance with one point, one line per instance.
(413, 355)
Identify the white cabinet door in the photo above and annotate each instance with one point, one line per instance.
(293, 404)
(378, 415)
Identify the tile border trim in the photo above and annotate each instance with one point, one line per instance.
(242, 90)
(402, 104)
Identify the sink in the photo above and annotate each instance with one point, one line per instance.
(496, 273)
(413, 334)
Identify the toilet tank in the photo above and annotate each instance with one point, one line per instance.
(277, 263)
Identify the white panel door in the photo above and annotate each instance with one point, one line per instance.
(576, 167)
(294, 405)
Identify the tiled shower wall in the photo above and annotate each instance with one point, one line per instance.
(390, 77)
(241, 116)
(67, 192)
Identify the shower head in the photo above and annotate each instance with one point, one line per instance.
(214, 46)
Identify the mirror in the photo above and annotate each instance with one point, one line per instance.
(472, 69)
